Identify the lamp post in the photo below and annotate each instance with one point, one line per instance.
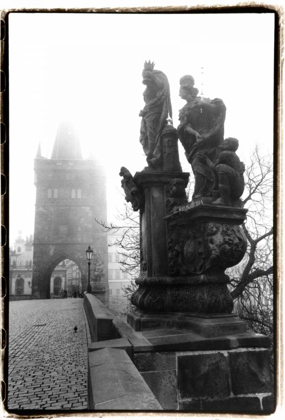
(89, 253)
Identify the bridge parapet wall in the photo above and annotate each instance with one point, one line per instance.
(184, 368)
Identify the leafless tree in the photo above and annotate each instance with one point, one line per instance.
(128, 240)
(252, 280)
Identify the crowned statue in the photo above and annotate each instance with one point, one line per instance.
(154, 114)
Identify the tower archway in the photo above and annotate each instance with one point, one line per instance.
(42, 277)
(71, 194)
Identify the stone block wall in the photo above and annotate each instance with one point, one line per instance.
(179, 369)
(234, 381)
(100, 319)
(160, 372)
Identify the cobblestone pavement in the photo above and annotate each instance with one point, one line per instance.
(47, 366)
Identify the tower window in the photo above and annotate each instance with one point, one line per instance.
(49, 193)
(76, 193)
(55, 193)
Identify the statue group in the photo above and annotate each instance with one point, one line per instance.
(185, 246)
(216, 167)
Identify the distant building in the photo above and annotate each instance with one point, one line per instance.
(66, 275)
(21, 267)
(71, 193)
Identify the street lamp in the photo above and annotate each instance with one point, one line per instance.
(89, 253)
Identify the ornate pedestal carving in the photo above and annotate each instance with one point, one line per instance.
(202, 242)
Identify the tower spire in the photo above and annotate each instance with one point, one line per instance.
(39, 152)
(67, 143)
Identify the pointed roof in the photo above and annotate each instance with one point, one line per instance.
(39, 152)
(67, 143)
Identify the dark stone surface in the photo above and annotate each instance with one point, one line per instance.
(172, 339)
(163, 384)
(155, 361)
(242, 405)
(153, 227)
(193, 406)
(269, 404)
(203, 375)
(161, 332)
(250, 372)
(207, 326)
(190, 341)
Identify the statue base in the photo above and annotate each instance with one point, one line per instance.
(205, 325)
(195, 294)
(202, 242)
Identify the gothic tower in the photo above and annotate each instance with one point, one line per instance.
(70, 194)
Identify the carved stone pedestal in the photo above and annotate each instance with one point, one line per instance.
(202, 324)
(202, 241)
(155, 187)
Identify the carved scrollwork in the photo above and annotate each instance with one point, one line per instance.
(226, 245)
(132, 192)
(207, 298)
(205, 248)
(177, 195)
(194, 253)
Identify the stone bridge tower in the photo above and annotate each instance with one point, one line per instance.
(71, 193)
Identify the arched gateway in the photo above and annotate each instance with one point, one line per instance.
(71, 193)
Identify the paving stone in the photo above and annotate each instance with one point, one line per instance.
(48, 361)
